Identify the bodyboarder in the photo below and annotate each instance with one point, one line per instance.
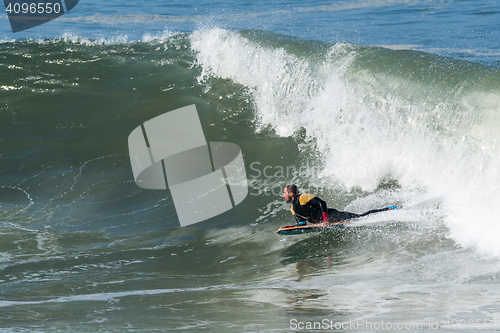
(309, 208)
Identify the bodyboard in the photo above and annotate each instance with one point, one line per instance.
(304, 229)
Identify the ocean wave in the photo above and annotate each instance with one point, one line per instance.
(424, 120)
(362, 116)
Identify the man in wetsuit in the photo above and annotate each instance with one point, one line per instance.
(307, 207)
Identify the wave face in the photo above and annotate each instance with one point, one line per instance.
(352, 117)
(362, 127)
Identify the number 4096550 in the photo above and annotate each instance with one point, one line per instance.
(33, 8)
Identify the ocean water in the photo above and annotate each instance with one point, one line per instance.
(364, 103)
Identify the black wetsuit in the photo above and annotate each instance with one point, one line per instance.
(307, 207)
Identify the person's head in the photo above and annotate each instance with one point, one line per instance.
(290, 192)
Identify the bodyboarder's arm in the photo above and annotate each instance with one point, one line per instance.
(322, 204)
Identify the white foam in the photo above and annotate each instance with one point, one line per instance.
(121, 39)
(112, 295)
(159, 38)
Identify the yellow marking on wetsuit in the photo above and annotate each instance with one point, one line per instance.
(291, 208)
(304, 198)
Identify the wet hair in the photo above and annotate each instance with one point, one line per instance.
(292, 188)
